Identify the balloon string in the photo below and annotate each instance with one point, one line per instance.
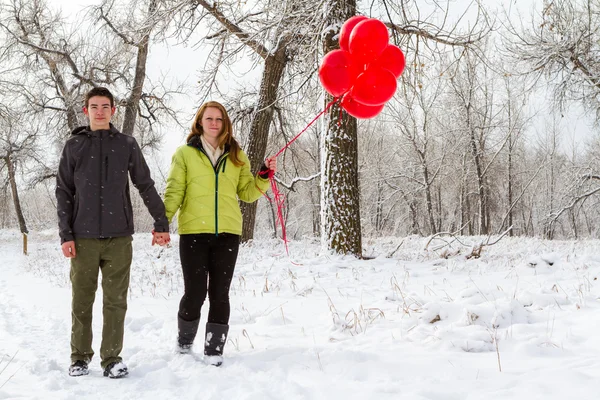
(327, 107)
(278, 197)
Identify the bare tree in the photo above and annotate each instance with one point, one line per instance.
(562, 43)
(516, 122)
(560, 48)
(19, 143)
(133, 27)
(51, 78)
(473, 88)
(273, 33)
(341, 230)
(340, 201)
(421, 126)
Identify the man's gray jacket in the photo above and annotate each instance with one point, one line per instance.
(92, 186)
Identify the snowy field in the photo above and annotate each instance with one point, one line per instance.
(520, 322)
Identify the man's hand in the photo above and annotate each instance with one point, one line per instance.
(68, 249)
(160, 238)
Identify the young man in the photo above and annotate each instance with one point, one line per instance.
(95, 220)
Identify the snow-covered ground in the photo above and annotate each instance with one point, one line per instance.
(409, 325)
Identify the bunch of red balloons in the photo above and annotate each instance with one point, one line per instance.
(365, 68)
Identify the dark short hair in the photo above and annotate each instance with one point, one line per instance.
(99, 91)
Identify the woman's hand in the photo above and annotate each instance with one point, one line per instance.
(271, 163)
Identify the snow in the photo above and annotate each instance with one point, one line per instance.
(415, 326)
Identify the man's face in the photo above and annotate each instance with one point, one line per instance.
(99, 112)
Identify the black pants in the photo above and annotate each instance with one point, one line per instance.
(208, 262)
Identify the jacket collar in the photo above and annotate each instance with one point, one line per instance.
(86, 130)
(197, 143)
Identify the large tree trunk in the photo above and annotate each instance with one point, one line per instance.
(340, 205)
(133, 102)
(259, 128)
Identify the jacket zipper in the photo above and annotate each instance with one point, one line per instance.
(216, 169)
(101, 184)
(223, 157)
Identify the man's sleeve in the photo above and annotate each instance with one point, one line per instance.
(65, 196)
(140, 176)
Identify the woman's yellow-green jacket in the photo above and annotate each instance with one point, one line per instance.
(206, 196)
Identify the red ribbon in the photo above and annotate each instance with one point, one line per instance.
(278, 197)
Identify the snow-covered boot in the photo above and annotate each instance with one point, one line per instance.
(216, 336)
(78, 368)
(187, 334)
(116, 370)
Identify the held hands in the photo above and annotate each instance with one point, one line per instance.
(160, 238)
(68, 249)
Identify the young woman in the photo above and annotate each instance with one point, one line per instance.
(208, 175)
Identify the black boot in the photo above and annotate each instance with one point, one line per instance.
(216, 336)
(187, 334)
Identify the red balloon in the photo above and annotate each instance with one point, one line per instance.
(347, 30)
(375, 86)
(359, 110)
(368, 40)
(391, 59)
(338, 72)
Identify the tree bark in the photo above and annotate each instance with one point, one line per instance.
(340, 199)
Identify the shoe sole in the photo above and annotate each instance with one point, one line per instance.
(122, 375)
(79, 373)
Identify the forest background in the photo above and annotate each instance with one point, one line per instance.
(492, 129)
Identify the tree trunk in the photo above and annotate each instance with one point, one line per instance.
(340, 199)
(66, 94)
(475, 151)
(428, 198)
(15, 195)
(510, 184)
(259, 128)
(340, 205)
(133, 102)
(414, 216)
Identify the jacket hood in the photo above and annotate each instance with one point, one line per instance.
(86, 129)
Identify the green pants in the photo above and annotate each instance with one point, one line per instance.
(112, 256)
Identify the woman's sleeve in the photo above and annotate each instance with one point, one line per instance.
(176, 182)
(250, 187)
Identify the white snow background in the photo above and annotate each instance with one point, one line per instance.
(409, 325)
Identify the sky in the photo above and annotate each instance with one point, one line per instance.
(521, 322)
(182, 63)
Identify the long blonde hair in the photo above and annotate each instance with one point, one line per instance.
(226, 135)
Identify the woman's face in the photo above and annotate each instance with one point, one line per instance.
(212, 123)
